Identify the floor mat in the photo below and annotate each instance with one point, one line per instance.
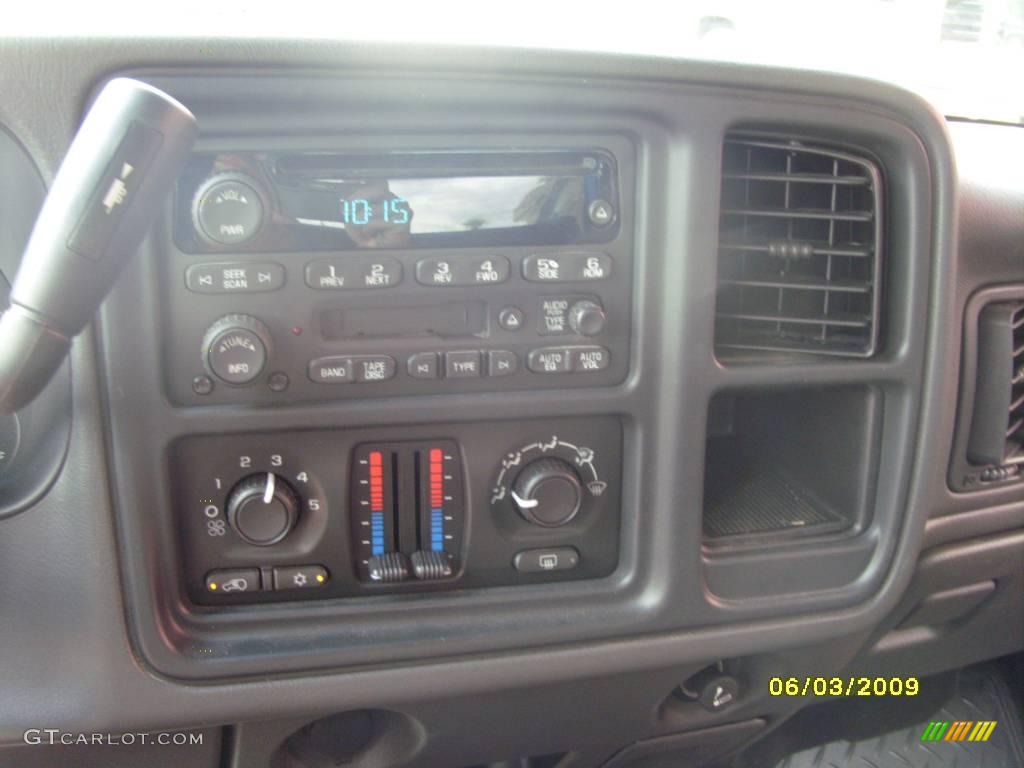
(981, 696)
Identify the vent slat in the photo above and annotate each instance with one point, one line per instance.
(799, 248)
(799, 178)
(839, 286)
(1017, 403)
(835, 321)
(801, 213)
(821, 249)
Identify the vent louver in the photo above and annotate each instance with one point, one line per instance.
(799, 249)
(997, 429)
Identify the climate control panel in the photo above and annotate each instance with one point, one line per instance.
(342, 513)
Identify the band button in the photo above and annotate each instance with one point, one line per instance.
(331, 370)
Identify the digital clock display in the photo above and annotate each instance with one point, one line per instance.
(399, 212)
(424, 200)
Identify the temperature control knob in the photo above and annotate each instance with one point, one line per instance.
(227, 209)
(548, 492)
(236, 348)
(586, 318)
(263, 509)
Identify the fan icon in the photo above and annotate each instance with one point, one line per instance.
(299, 579)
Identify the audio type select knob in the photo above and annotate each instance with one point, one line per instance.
(548, 492)
(236, 349)
(586, 318)
(227, 209)
(263, 509)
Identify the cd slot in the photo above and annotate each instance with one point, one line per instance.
(449, 320)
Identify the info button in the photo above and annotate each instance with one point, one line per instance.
(332, 370)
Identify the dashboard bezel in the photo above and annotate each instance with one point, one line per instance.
(664, 585)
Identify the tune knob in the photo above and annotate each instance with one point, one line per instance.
(263, 509)
(236, 348)
(586, 318)
(548, 492)
(227, 209)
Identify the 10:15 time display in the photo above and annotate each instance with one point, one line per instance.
(358, 211)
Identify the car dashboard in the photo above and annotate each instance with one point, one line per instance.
(468, 406)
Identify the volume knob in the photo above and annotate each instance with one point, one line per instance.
(236, 349)
(227, 209)
(263, 509)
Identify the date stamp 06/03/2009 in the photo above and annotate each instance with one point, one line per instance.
(844, 686)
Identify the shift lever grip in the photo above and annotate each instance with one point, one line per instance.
(116, 175)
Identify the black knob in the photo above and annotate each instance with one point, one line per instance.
(236, 348)
(263, 509)
(586, 318)
(548, 492)
(712, 688)
(227, 209)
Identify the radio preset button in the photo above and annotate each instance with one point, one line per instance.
(353, 275)
(437, 271)
(331, 370)
(589, 359)
(451, 271)
(423, 365)
(541, 268)
(566, 267)
(549, 360)
(462, 365)
(234, 277)
(330, 275)
(488, 270)
(378, 273)
(370, 368)
(501, 362)
(592, 266)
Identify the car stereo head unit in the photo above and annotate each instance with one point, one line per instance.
(309, 275)
(263, 202)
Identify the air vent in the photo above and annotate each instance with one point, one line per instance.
(997, 428)
(799, 249)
